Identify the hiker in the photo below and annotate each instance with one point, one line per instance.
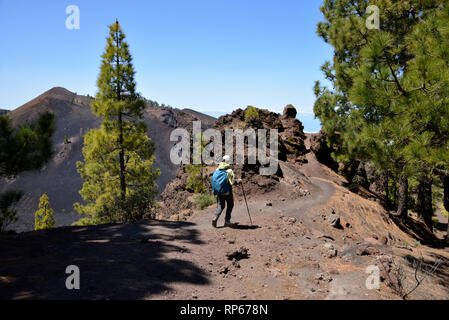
(222, 182)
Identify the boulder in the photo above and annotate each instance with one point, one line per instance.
(368, 251)
(239, 254)
(290, 111)
(335, 221)
(318, 145)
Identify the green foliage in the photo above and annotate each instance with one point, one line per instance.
(435, 222)
(44, 216)
(27, 147)
(251, 112)
(86, 221)
(24, 148)
(8, 216)
(428, 80)
(391, 86)
(135, 207)
(444, 212)
(196, 180)
(205, 199)
(119, 156)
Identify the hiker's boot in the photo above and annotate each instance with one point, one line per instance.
(214, 222)
(229, 224)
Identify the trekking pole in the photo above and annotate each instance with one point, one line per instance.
(244, 196)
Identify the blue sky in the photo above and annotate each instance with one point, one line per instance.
(209, 55)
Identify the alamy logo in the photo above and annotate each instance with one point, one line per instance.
(373, 280)
(373, 21)
(73, 280)
(208, 147)
(73, 20)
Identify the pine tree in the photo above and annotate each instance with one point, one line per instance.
(7, 215)
(118, 158)
(44, 216)
(446, 200)
(367, 115)
(196, 180)
(428, 74)
(27, 147)
(24, 148)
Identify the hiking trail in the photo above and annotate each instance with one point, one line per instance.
(293, 253)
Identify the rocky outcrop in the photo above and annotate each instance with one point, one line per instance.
(323, 153)
(293, 136)
(375, 178)
(360, 177)
(178, 202)
(358, 173)
(289, 111)
(291, 130)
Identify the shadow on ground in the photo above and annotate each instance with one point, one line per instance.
(439, 272)
(441, 226)
(418, 230)
(240, 227)
(115, 261)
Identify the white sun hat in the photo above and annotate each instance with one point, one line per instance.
(226, 158)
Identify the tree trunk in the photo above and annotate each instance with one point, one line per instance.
(122, 160)
(446, 200)
(387, 190)
(403, 198)
(120, 124)
(425, 210)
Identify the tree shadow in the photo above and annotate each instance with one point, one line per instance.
(240, 227)
(116, 261)
(441, 226)
(419, 231)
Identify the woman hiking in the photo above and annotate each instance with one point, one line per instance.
(222, 181)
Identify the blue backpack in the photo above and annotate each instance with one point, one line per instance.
(220, 184)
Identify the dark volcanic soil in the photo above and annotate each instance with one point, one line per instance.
(293, 253)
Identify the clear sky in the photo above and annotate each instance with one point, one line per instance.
(209, 55)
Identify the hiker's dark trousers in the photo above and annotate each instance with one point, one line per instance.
(227, 200)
